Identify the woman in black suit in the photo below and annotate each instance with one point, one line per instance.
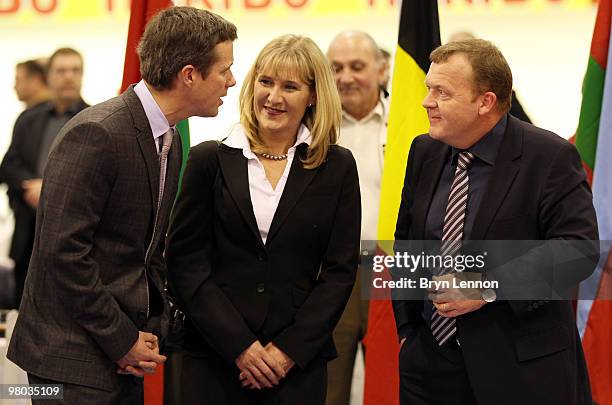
(264, 240)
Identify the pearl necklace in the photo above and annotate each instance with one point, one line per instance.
(273, 157)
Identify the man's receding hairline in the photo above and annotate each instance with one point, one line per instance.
(358, 37)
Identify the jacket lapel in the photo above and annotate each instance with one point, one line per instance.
(427, 185)
(503, 176)
(299, 178)
(234, 168)
(149, 153)
(145, 142)
(175, 158)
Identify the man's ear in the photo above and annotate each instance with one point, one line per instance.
(186, 75)
(488, 102)
(380, 69)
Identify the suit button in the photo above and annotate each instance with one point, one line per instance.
(261, 257)
(261, 288)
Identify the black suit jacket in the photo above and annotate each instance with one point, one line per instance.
(525, 352)
(90, 288)
(20, 163)
(235, 289)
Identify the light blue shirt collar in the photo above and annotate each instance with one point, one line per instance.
(157, 120)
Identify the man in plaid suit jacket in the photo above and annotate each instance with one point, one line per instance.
(93, 307)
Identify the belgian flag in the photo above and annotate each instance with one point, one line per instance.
(419, 34)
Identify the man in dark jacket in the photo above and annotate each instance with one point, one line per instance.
(483, 175)
(93, 309)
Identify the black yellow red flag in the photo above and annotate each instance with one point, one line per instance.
(419, 34)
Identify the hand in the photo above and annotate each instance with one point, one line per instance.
(143, 357)
(454, 309)
(452, 302)
(31, 191)
(259, 367)
(285, 362)
(281, 357)
(144, 367)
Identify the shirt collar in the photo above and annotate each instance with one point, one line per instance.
(487, 147)
(157, 120)
(237, 139)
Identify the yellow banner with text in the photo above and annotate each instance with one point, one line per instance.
(33, 11)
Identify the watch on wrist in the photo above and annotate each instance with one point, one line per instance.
(488, 295)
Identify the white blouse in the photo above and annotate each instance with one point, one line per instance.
(263, 197)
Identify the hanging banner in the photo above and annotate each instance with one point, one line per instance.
(25, 11)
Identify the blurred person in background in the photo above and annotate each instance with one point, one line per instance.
(31, 82)
(264, 239)
(359, 71)
(34, 132)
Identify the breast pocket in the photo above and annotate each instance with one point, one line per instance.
(541, 342)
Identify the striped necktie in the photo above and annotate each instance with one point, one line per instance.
(163, 163)
(452, 235)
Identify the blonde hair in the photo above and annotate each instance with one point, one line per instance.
(301, 56)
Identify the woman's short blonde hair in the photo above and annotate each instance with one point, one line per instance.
(298, 57)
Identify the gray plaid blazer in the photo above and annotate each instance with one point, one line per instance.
(90, 288)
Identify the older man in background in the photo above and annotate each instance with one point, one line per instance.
(359, 71)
